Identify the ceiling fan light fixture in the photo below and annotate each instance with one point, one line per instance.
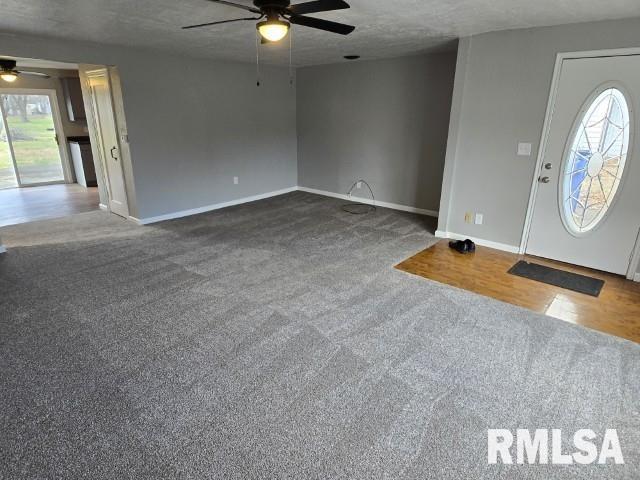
(9, 76)
(273, 30)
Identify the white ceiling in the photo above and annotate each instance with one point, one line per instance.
(385, 28)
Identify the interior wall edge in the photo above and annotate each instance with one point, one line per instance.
(453, 138)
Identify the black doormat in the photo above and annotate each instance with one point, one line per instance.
(559, 278)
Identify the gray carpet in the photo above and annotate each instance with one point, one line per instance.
(275, 340)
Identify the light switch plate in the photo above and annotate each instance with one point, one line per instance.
(235, 180)
(524, 149)
(479, 218)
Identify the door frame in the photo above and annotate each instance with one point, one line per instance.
(542, 150)
(57, 124)
(87, 72)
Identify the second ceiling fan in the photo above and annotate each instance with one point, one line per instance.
(9, 73)
(278, 15)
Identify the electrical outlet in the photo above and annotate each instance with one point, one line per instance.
(524, 149)
(479, 218)
(468, 217)
(236, 180)
(359, 185)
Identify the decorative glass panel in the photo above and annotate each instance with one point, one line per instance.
(594, 164)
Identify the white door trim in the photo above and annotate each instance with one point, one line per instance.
(546, 128)
(57, 123)
(95, 134)
(102, 72)
(12, 153)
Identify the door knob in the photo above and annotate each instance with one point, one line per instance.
(544, 179)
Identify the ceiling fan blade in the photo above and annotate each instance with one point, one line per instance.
(33, 74)
(326, 25)
(237, 5)
(318, 6)
(221, 22)
(7, 64)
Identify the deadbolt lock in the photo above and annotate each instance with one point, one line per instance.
(548, 166)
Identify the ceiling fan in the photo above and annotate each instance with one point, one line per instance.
(280, 14)
(8, 71)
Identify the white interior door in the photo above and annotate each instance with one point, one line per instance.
(110, 146)
(587, 205)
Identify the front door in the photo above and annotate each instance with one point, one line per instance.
(587, 205)
(110, 146)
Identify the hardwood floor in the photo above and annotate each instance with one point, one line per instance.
(616, 311)
(21, 205)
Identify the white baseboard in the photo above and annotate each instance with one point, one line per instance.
(209, 208)
(480, 241)
(103, 207)
(636, 277)
(368, 201)
(217, 206)
(3, 249)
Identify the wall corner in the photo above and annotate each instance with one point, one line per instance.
(464, 46)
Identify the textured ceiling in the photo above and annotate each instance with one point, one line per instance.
(384, 27)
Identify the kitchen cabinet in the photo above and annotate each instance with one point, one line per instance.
(83, 161)
(73, 99)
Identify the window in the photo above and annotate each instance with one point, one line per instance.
(594, 165)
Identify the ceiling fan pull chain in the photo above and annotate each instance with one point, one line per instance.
(291, 57)
(257, 58)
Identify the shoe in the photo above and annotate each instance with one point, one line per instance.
(471, 247)
(458, 245)
(463, 246)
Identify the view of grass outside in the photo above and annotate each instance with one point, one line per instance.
(33, 138)
(7, 178)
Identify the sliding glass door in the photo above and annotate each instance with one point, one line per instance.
(7, 171)
(29, 150)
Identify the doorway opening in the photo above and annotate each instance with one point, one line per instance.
(109, 135)
(62, 131)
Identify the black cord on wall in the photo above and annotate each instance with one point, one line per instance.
(360, 208)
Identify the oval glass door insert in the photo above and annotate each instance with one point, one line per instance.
(595, 162)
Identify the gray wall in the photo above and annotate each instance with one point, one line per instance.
(193, 124)
(384, 121)
(503, 101)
